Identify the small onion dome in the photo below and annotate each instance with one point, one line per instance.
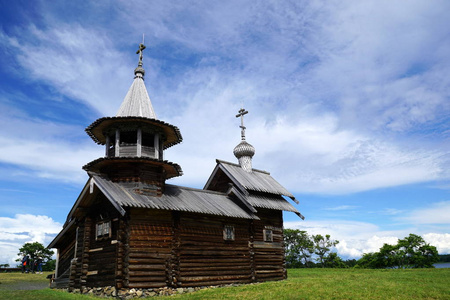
(140, 70)
(244, 149)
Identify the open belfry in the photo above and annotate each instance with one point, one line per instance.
(129, 229)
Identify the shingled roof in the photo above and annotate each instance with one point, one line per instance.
(137, 102)
(260, 189)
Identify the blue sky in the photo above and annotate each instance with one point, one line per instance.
(349, 106)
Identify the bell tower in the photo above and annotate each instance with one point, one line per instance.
(135, 141)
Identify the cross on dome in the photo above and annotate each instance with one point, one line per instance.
(141, 49)
(241, 114)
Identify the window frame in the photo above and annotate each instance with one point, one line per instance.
(229, 229)
(268, 235)
(103, 230)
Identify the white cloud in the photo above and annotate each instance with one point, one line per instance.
(44, 149)
(356, 238)
(436, 213)
(78, 62)
(440, 240)
(24, 228)
(325, 96)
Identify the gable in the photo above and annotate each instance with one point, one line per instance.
(259, 188)
(257, 180)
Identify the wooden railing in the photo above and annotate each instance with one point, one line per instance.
(130, 150)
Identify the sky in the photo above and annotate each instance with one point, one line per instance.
(348, 106)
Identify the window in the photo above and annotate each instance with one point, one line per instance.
(268, 235)
(103, 229)
(228, 233)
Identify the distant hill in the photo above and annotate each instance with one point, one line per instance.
(444, 257)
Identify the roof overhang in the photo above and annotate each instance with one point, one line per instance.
(171, 169)
(98, 128)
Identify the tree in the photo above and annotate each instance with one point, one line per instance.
(332, 260)
(414, 252)
(49, 265)
(409, 252)
(34, 250)
(298, 247)
(322, 246)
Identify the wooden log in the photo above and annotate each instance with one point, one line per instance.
(135, 253)
(145, 260)
(214, 282)
(147, 267)
(146, 284)
(208, 268)
(186, 279)
(232, 272)
(136, 274)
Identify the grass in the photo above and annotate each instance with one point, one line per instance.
(12, 287)
(302, 284)
(342, 284)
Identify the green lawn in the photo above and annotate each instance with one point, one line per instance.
(302, 284)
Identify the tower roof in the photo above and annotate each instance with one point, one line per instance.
(136, 108)
(137, 102)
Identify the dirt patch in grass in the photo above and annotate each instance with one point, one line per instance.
(25, 286)
(23, 282)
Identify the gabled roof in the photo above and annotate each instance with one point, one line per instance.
(174, 198)
(258, 188)
(257, 180)
(122, 195)
(272, 202)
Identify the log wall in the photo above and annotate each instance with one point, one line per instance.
(158, 248)
(99, 265)
(150, 247)
(269, 261)
(205, 258)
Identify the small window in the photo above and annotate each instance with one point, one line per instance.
(228, 233)
(103, 229)
(268, 235)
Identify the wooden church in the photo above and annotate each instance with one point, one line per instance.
(129, 229)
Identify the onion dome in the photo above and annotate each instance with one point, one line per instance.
(244, 149)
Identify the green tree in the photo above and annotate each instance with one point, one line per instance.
(414, 252)
(298, 247)
(409, 252)
(322, 246)
(35, 250)
(49, 265)
(332, 260)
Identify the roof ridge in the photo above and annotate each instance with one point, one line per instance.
(196, 189)
(237, 165)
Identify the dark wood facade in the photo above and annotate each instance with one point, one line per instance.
(129, 229)
(150, 248)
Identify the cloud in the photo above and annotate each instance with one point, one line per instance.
(440, 240)
(75, 61)
(331, 161)
(42, 148)
(435, 213)
(343, 99)
(24, 228)
(356, 238)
